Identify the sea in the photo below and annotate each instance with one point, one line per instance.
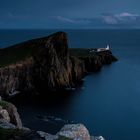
(107, 102)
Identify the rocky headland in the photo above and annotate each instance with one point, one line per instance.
(44, 64)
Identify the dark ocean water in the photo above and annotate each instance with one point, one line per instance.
(108, 102)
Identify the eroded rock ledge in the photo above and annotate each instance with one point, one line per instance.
(46, 64)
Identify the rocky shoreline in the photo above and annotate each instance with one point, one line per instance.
(48, 64)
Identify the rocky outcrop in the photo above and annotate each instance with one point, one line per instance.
(9, 114)
(16, 78)
(4, 115)
(73, 131)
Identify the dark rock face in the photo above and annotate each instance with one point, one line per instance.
(92, 63)
(95, 62)
(49, 66)
(78, 69)
(15, 78)
(106, 57)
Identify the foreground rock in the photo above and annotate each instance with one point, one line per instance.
(68, 132)
(46, 64)
(71, 132)
(9, 115)
(74, 132)
(11, 128)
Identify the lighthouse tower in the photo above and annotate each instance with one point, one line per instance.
(107, 48)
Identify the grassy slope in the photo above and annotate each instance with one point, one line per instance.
(7, 134)
(13, 55)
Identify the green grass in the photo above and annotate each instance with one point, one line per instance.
(4, 104)
(79, 52)
(6, 134)
(13, 55)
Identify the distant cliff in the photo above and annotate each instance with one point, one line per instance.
(46, 63)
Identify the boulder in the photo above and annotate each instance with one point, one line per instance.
(74, 132)
(14, 116)
(4, 115)
(10, 114)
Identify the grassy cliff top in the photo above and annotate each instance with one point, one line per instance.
(81, 52)
(12, 55)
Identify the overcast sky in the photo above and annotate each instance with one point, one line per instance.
(70, 14)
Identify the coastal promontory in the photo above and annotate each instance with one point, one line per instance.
(46, 64)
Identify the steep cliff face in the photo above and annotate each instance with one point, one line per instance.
(53, 66)
(15, 78)
(78, 69)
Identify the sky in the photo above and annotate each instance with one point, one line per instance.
(69, 14)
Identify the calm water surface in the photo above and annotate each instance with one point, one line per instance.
(108, 102)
